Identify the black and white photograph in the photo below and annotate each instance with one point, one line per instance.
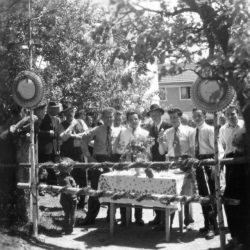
(125, 124)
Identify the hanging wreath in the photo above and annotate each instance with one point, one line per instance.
(28, 89)
(212, 96)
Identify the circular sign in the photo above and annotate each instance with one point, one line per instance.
(28, 89)
(212, 96)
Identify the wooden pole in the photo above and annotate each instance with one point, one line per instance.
(217, 183)
(33, 177)
(34, 192)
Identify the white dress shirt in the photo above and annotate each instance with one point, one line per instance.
(185, 136)
(205, 138)
(226, 136)
(99, 135)
(126, 136)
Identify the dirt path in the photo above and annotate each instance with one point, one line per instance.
(97, 236)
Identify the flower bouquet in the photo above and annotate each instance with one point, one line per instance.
(137, 149)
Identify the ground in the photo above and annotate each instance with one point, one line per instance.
(97, 236)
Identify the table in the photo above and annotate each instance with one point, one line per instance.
(169, 182)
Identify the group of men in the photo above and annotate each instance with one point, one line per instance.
(71, 137)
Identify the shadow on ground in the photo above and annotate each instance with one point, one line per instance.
(132, 236)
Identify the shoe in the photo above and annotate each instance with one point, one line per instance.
(139, 222)
(69, 231)
(87, 222)
(158, 228)
(154, 222)
(122, 224)
(216, 231)
(190, 227)
(209, 235)
(203, 230)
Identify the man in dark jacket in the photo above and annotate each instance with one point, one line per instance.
(158, 126)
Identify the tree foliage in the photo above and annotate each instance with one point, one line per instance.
(213, 34)
(71, 50)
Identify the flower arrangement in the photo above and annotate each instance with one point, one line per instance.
(138, 149)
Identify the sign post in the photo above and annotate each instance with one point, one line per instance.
(217, 183)
(213, 96)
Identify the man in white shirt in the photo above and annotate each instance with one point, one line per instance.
(104, 137)
(235, 176)
(133, 132)
(71, 146)
(203, 148)
(176, 142)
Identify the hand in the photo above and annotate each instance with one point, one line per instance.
(51, 133)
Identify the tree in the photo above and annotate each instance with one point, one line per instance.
(212, 34)
(71, 50)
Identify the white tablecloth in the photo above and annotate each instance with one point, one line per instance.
(164, 182)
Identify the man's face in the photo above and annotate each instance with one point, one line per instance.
(134, 121)
(155, 115)
(40, 113)
(175, 120)
(118, 119)
(108, 118)
(70, 114)
(232, 116)
(198, 117)
(89, 120)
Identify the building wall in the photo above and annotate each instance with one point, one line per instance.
(173, 98)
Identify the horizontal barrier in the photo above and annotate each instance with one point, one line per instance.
(127, 165)
(164, 199)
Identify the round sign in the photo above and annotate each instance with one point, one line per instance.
(212, 96)
(28, 89)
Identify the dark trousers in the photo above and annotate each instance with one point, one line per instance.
(236, 188)
(69, 208)
(138, 214)
(206, 186)
(94, 175)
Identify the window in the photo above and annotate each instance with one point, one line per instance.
(185, 93)
(163, 94)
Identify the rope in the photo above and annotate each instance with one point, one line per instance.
(157, 166)
(114, 195)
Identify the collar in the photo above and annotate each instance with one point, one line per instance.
(159, 124)
(202, 125)
(131, 129)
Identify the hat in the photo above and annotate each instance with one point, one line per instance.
(53, 104)
(67, 106)
(155, 107)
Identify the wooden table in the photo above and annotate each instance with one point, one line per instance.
(166, 182)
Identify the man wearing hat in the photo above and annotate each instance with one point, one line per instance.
(48, 141)
(157, 126)
(71, 146)
(48, 136)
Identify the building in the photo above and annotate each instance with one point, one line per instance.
(175, 90)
